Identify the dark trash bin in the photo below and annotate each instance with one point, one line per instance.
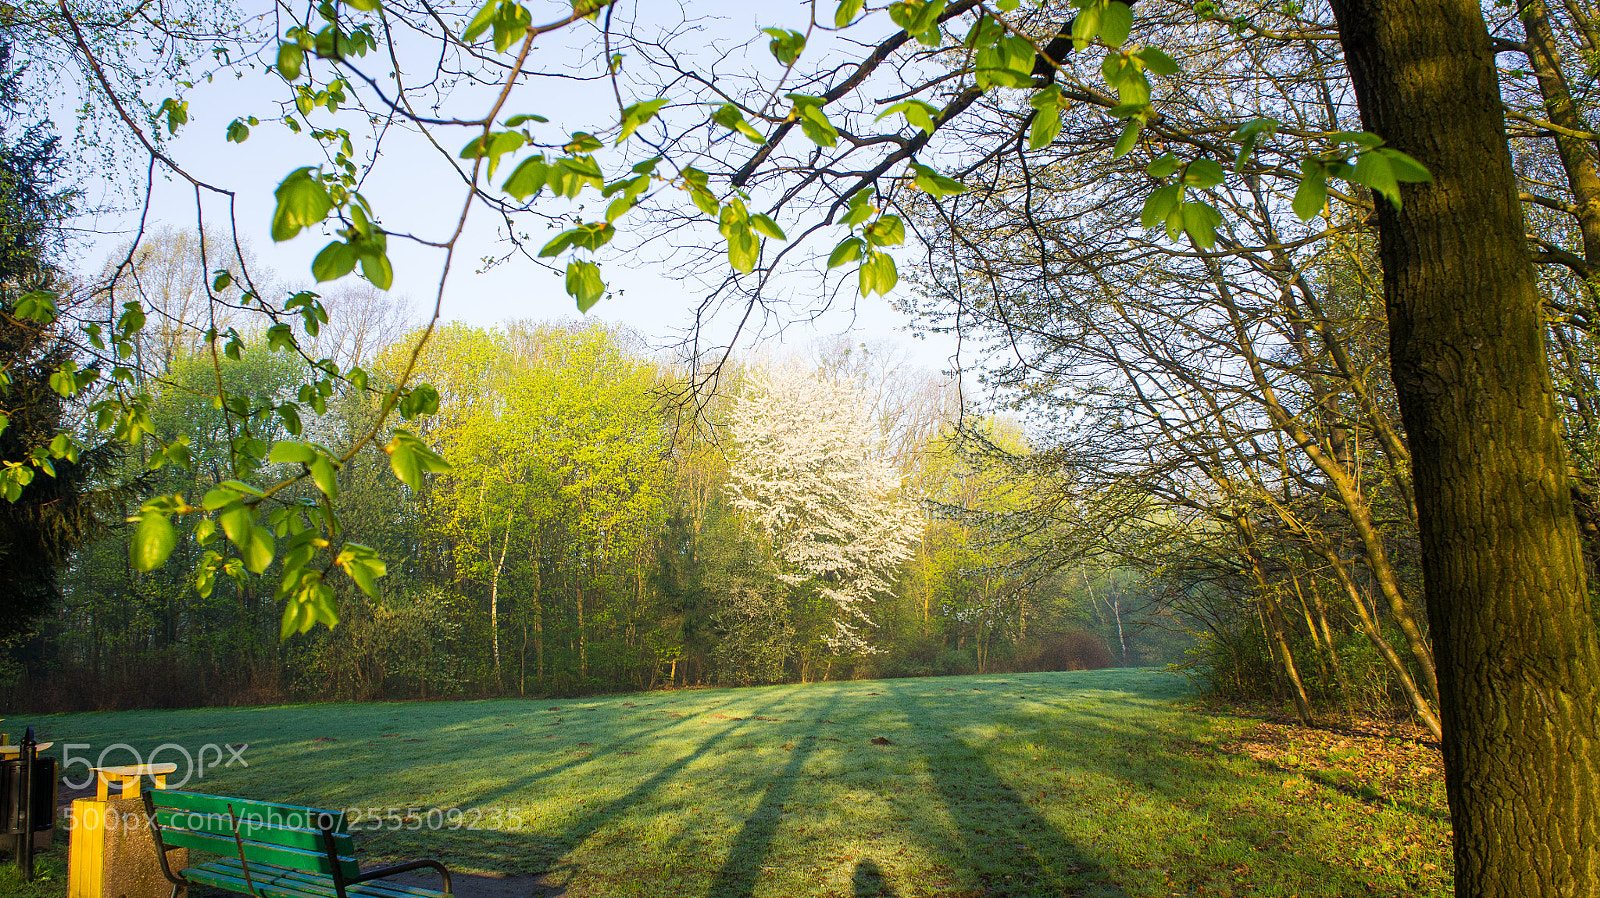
(27, 802)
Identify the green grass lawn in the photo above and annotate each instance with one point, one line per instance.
(1104, 783)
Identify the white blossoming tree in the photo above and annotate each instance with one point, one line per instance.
(811, 477)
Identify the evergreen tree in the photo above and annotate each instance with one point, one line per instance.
(53, 506)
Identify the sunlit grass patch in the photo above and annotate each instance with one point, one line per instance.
(1100, 783)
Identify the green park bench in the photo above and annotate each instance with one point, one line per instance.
(271, 850)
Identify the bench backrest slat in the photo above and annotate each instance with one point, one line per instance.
(293, 816)
(283, 835)
(252, 830)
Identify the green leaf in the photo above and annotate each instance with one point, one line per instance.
(888, 230)
(243, 488)
(1156, 61)
(303, 201)
(325, 476)
(584, 284)
(815, 125)
(218, 497)
(559, 244)
(786, 45)
(695, 181)
(1200, 222)
(280, 336)
(422, 399)
(1086, 24)
(589, 236)
(411, 458)
(527, 179)
(238, 131)
(859, 208)
(1406, 169)
(1373, 170)
(258, 550)
(236, 522)
(744, 249)
(291, 453)
(1116, 20)
(1046, 125)
(290, 413)
(363, 565)
(1247, 135)
(403, 459)
(1202, 173)
(493, 146)
(1133, 90)
(1008, 62)
(376, 268)
(511, 23)
(918, 113)
(878, 274)
(570, 174)
(919, 18)
(1363, 139)
(1129, 137)
(1160, 205)
(63, 446)
(40, 306)
(335, 261)
(848, 250)
(728, 116)
(766, 227)
(153, 541)
(935, 184)
(297, 618)
(1165, 166)
(290, 59)
(636, 116)
(583, 142)
(1312, 194)
(847, 12)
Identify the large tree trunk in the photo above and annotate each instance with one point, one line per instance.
(1507, 601)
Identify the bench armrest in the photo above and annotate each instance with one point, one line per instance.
(407, 867)
(161, 846)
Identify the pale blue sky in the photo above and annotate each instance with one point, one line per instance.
(412, 191)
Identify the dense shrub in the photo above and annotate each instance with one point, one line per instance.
(1075, 650)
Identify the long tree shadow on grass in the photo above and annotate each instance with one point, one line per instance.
(990, 842)
(995, 843)
(544, 851)
(1232, 826)
(741, 870)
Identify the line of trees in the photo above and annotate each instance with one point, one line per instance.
(818, 519)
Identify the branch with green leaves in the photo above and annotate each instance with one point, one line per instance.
(854, 172)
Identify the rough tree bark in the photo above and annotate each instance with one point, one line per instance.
(1519, 669)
